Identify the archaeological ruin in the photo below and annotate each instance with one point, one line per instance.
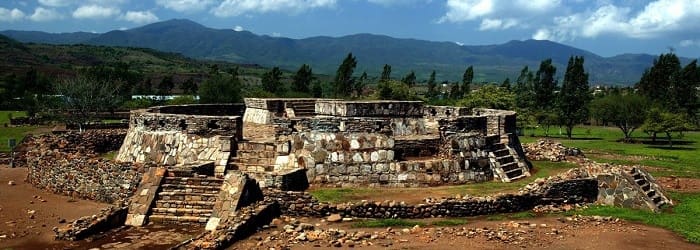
(232, 168)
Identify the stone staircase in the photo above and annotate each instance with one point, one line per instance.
(506, 164)
(185, 200)
(254, 157)
(304, 109)
(649, 188)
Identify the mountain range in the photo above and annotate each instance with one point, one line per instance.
(324, 54)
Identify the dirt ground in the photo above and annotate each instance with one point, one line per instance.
(28, 214)
(547, 233)
(679, 184)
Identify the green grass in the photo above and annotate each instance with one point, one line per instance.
(339, 194)
(682, 218)
(449, 222)
(7, 133)
(600, 144)
(387, 223)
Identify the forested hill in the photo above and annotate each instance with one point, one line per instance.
(56, 60)
(491, 62)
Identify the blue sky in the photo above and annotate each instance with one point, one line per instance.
(605, 27)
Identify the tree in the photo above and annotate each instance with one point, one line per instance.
(506, 84)
(317, 89)
(386, 73)
(189, 87)
(574, 96)
(467, 79)
(82, 97)
(627, 111)
(455, 91)
(395, 90)
(657, 80)
(524, 93)
(432, 87)
(221, 88)
(665, 122)
(302, 79)
(489, 96)
(343, 76)
(272, 80)
(685, 90)
(410, 79)
(545, 85)
(166, 85)
(360, 85)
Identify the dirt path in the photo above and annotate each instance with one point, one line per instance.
(478, 233)
(19, 225)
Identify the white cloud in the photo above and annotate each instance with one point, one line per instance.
(467, 10)
(10, 15)
(497, 24)
(185, 5)
(229, 8)
(690, 43)
(42, 14)
(140, 17)
(55, 3)
(397, 2)
(238, 28)
(95, 12)
(276, 34)
(658, 18)
(542, 34)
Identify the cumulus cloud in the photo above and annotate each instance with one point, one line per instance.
(690, 43)
(185, 5)
(497, 24)
(139, 17)
(42, 15)
(55, 3)
(498, 14)
(229, 8)
(396, 2)
(656, 19)
(95, 12)
(10, 15)
(238, 28)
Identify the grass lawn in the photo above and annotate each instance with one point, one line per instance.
(541, 169)
(600, 144)
(683, 218)
(7, 133)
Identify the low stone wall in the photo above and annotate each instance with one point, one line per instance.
(569, 191)
(108, 219)
(68, 164)
(380, 108)
(230, 109)
(439, 112)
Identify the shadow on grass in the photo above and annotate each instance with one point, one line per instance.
(674, 148)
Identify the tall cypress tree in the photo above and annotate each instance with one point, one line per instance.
(302, 79)
(410, 79)
(343, 76)
(386, 73)
(271, 80)
(657, 80)
(432, 86)
(467, 79)
(545, 85)
(572, 103)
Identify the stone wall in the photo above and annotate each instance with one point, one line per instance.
(569, 191)
(381, 108)
(83, 227)
(499, 122)
(180, 138)
(265, 110)
(68, 164)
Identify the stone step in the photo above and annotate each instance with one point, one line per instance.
(660, 203)
(190, 191)
(510, 166)
(254, 161)
(505, 159)
(256, 146)
(170, 219)
(656, 198)
(641, 182)
(646, 187)
(185, 204)
(514, 173)
(498, 146)
(182, 196)
(253, 167)
(211, 187)
(183, 211)
(501, 152)
(651, 193)
(208, 181)
(256, 153)
(637, 176)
